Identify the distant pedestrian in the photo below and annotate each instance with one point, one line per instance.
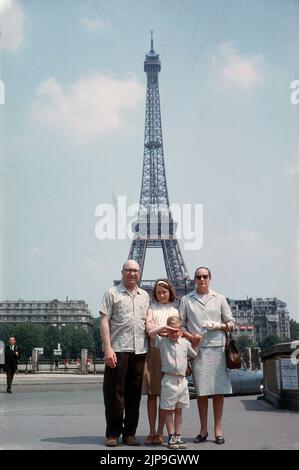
(12, 356)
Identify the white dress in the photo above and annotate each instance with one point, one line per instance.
(209, 370)
(152, 368)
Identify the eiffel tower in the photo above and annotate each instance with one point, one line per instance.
(155, 227)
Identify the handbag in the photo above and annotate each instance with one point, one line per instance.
(233, 356)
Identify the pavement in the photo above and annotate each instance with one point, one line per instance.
(66, 411)
(45, 379)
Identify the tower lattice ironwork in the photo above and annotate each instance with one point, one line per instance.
(155, 227)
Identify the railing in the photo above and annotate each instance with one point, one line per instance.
(61, 368)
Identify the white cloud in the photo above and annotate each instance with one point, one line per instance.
(11, 25)
(87, 108)
(247, 241)
(233, 70)
(41, 249)
(292, 169)
(242, 235)
(87, 269)
(4, 4)
(95, 25)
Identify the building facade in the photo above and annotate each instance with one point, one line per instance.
(47, 312)
(271, 318)
(243, 314)
(259, 318)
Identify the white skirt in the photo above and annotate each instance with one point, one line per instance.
(209, 371)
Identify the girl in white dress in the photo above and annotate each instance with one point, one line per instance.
(163, 306)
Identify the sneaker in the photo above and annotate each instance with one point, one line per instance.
(181, 443)
(172, 442)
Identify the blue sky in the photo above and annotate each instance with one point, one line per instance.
(72, 131)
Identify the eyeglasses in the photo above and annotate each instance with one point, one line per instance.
(128, 270)
(202, 276)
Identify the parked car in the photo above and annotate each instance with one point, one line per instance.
(244, 382)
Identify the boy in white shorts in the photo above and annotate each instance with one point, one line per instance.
(174, 351)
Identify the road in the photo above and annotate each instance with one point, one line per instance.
(67, 412)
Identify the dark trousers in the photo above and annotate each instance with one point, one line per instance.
(9, 376)
(122, 394)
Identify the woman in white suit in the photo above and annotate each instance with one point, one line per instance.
(206, 317)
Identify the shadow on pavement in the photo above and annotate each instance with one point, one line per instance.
(261, 405)
(75, 440)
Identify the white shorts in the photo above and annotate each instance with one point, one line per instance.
(174, 392)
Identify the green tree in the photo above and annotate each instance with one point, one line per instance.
(65, 339)
(81, 339)
(52, 338)
(97, 337)
(269, 341)
(29, 336)
(7, 330)
(71, 339)
(244, 342)
(294, 330)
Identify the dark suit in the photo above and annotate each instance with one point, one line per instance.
(11, 363)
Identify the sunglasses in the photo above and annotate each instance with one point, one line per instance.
(202, 276)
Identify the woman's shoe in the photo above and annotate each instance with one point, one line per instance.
(158, 440)
(149, 440)
(199, 438)
(219, 439)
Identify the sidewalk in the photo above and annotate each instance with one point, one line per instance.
(45, 378)
(60, 411)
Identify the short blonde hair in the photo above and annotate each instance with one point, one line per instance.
(173, 320)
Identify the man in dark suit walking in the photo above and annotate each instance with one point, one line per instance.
(12, 355)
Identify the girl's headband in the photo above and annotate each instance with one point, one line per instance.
(162, 282)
